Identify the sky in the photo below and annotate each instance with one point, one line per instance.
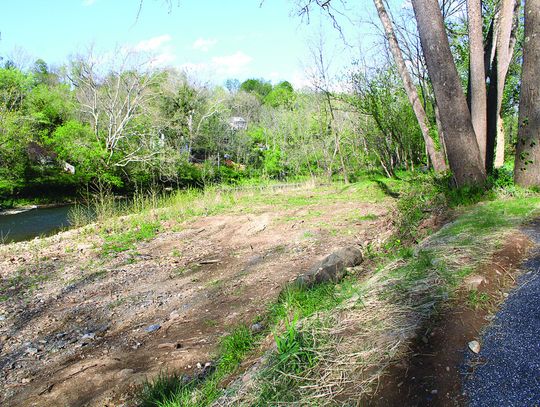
(214, 39)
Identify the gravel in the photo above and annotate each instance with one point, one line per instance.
(506, 372)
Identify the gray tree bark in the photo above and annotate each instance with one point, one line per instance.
(462, 147)
(527, 167)
(477, 77)
(436, 157)
(501, 56)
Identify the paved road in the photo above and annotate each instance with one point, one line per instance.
(509, 371)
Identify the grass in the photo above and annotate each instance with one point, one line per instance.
(122, 224)
(478, 299)
(174, 390)
(125, 240)
(293, 304)
(333, 341)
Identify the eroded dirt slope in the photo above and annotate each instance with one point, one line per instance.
(81, 328)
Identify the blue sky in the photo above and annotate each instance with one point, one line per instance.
(215, 39)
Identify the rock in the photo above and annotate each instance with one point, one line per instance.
(152, 328)
(2, 317)
(199, 366)
(89, 336)
(25, 380)
(474, 281)
(124, 373)
(332, 267)
(174, 315)
(474, 346)
(257, 327)
(434, 392)
(32, 351)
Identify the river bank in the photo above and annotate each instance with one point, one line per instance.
(190, 270)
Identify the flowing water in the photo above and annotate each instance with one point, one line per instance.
(25, 225)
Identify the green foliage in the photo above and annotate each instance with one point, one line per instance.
(116, 242)
(478, 299)
(14, 87)
(76, 144)
(294, 350)
(282, 95)
(233, 348)
(303, 302)
(259, 87)
(49, 107)
(392, 125)
(272, 165)
(165, 388)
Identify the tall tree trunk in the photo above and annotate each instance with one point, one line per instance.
(439, 128)
(436, 157)
(503, 43)
(477, 77)
(527, 167)
(462, 148)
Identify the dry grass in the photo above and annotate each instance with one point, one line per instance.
(354, 343)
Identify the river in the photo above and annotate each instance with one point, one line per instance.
(16, 227)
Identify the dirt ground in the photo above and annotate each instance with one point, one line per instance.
(431, 376)
(78, 328)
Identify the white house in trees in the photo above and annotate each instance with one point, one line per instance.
(238, 123)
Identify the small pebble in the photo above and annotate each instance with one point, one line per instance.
(152, 328)
(474, 346)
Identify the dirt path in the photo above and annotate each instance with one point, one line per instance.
(78, 328)
(432, 374)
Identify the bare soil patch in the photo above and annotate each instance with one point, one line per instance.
(78, 328)
(431, 376)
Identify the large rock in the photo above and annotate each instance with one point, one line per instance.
(332, 267)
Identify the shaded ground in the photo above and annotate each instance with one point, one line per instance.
(80, 328)
(431, 376)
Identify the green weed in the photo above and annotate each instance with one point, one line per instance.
(120, 242)
(478, 299)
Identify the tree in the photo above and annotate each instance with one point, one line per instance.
(436, 157)
(112, 97)
(282, 95)
(500, 51)
(527, 164)
(232, 85)
(477, 76)
(322, 84)
(258, 87)
(461, 145)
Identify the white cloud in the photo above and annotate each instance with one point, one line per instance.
(88, 3)
(301, 80)
(204, 44)
(157, 49)
(153, 44)
(163, 59)
(232, 64)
